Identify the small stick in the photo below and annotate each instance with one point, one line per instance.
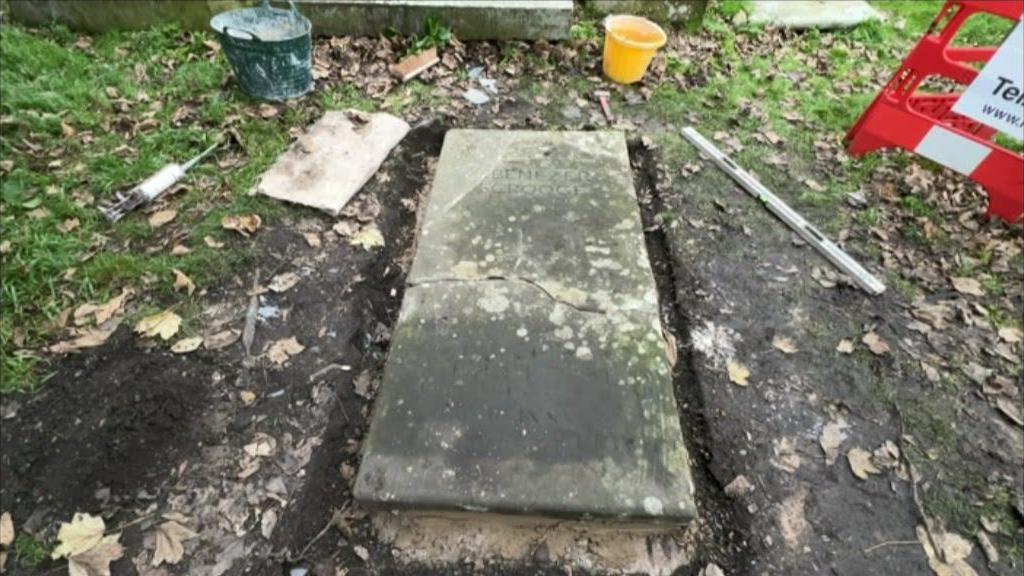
(606, 107)
(249, 332)
(890, 543)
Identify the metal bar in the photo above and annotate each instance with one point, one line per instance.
(841, 260)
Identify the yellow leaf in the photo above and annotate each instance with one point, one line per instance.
(738, 373)
(81, 534)
(6, 529)
(368, 238)
(164, 324)
(247, 397)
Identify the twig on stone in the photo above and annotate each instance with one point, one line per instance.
(890, 543)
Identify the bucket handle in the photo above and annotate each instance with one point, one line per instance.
(266, 4)
(252, 36)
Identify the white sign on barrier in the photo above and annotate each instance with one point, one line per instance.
(996, 97)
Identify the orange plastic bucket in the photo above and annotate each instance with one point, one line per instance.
(630, 42)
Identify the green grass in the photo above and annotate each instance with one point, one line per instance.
(49, 87)
(27, 552)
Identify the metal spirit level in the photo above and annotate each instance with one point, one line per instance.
(841, 260)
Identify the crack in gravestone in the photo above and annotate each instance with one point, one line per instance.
(528, 281)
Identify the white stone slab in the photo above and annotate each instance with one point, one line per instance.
(812, 13)
(332, 161)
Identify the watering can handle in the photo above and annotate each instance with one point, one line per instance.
(252, 36)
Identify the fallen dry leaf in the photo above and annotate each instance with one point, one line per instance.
(312, 239)
(345, 228)
(283, 282)
(845, 346)
(164, 324)
(212, 242)
(991, 552)
(183, 282)
(113, 306)
(969, 286)
(89, 339)
(6, 529)
(68, 225)
(267, 111)
(368, 238)
(1010, 409)
(362, 552)
(738, 373)
(1010, 334)
(363, 384)
(79, 535)
(158, 219)
(96, 561)
(221, 339)
(186, 345)
(169, 537)
(740, 486)
(267, 523)
(83, 312)
(955, 550)
(860, 463)
(831, 439)
(244, 224)
(280, 351)
(875, 343)
(262, 445)
(784, 345)
(180, 250)
(670, 348)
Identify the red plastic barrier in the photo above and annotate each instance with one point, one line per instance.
(924, 123)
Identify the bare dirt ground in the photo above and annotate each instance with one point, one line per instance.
(257, 457)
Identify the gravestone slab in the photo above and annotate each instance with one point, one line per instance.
(801, 14)
(527, 371)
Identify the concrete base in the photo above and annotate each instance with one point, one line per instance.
(446, 539)
(468, 19)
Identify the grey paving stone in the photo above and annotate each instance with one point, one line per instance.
(812, 13)
(527, 371)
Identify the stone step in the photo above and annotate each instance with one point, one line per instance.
(468, 19)
(527, 372)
